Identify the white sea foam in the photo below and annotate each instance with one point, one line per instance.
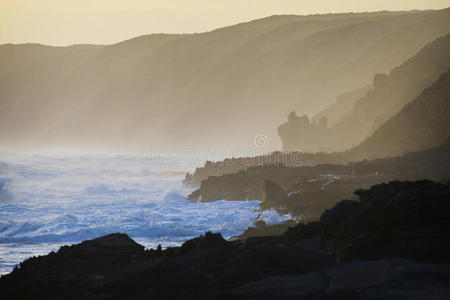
(46, 202)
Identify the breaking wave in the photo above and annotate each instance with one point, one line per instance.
(46, 202)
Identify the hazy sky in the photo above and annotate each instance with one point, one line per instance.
(64, 22)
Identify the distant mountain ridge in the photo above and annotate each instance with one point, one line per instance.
(420, 125)
(390, 93)
(219, 88)
(342, 107)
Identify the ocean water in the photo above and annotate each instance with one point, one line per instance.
(49, 201)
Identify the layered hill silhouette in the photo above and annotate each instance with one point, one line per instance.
(389, 95)
(420, 125)
(219, 88)
(342, 108)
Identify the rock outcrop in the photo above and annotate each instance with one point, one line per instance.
(342, 107)
(378, 247)
(390, 94)
(114, 243)
(306, 192)
(299, 134)
(272, 192)
(421, 124)
(396, 220)
(236, 164)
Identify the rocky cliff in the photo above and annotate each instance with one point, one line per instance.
(390, 94)
(419, 125)
(307, 191)
(393, 243)
(165, 89)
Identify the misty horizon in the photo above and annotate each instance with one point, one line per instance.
(302, 155)
(219, 27)
(13, 19)
(178, 91)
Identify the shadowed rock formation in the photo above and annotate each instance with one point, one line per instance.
(396, 228)
(342, 107)
(108, 244)
(299, 134)
(308, 191)
(390, 94)
(396, 220)
(272, 192)
(420, 125)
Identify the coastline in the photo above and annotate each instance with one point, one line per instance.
(415, 254)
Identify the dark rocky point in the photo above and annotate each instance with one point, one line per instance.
(393, 243)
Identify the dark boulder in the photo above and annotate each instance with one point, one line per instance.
(208, 241)
(396, 220)
(111, 243)
(400, 219)
(302, 231)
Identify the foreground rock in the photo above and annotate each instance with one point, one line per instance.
(385, 279)
(396, 228)
(396, 220)
(204, 267)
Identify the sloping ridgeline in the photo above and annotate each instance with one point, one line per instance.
(309, 190)
(405, 84)
(167, 89)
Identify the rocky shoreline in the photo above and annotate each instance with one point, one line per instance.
(420, 125)
(394, 242)
(306, 192)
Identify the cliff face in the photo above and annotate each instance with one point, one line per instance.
(167, 89)
(389, 95)
(234, 165)
(308, 191)
(421, 124)
(342, 107)
(298, 133)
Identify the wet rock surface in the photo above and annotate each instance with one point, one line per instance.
(306, 192)
(391, 244)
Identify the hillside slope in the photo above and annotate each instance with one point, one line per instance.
(422, 124)
(342, 107)
(389, 95)
(219, 88)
